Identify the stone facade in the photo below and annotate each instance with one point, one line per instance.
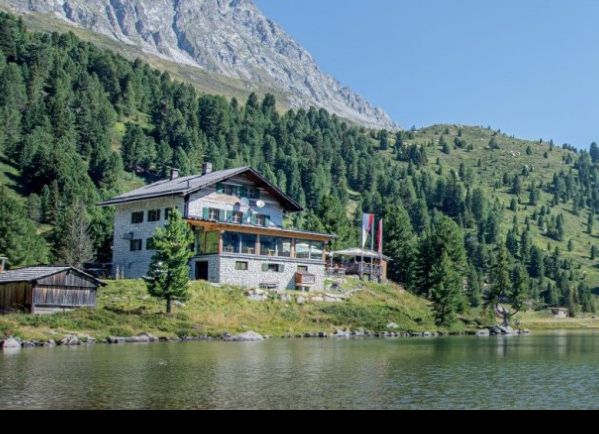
(132, 253)
(222, 269)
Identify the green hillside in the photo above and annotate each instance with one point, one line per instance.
(510, 156)
(79, 124)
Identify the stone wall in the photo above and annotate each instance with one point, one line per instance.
(253, 277)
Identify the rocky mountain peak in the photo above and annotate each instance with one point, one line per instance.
(231, 38)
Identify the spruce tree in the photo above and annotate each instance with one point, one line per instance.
(168, 276)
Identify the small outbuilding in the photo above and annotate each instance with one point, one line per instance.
(47, 289)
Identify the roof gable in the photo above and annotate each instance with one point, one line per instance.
(187, 185)
(31, 274)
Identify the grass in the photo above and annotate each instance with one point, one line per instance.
(125, 309)
(544, 320)
(511, 157)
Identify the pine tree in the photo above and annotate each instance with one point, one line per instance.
(446, 291)
(507, 293)
(399, 244)
(72, 244)
(168, 276)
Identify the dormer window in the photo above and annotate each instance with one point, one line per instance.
(238, 190)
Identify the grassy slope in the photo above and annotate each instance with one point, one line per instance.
(511, 157)
(125, 309)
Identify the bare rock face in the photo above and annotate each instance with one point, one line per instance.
(228, 37)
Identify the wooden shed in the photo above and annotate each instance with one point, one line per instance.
(47, 289)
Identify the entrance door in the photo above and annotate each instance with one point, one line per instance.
(202, 270)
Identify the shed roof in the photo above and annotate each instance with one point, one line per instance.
(358, 252)
(189, 184)
(30, 274)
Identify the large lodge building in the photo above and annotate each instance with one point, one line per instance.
(237, 219)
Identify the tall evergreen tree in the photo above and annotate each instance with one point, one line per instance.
(168, 276)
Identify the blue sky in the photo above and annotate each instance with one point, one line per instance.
(529, 68)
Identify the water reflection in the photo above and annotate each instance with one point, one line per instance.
(553, 371)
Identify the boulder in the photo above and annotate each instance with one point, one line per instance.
(28, 344)
(483, 332)
(300, 300)
(256, 297)
(342, 334)
(50, 343)
(249, 336)
(177, 303)
(332, 299)
(115, 340)
(317, 299)
(70, 340)
(285, 298)
(392, 326)
(149, 336)
(10, 343)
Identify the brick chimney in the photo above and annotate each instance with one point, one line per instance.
(206, 168)
(174, 173)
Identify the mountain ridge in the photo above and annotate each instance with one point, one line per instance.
(229, 38)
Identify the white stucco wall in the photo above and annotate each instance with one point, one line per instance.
(133, 265)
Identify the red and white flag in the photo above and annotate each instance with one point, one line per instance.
(379, 237)
(367, 224)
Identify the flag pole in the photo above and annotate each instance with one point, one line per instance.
(362, 241)
(372, 249)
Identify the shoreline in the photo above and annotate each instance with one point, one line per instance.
(146, 338)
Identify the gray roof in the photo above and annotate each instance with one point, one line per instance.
(189, 184)
(29, 274)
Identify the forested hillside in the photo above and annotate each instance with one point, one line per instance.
(466, 210)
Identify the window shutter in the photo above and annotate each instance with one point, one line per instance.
(253, 219)
(229, 216)
(205, 213)
(267, 220)
(221, 215)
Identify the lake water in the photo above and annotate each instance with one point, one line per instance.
(553, 371)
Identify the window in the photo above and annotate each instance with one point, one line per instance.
(302, 268)
(253, 193)
(284, 247)
(238, 190)
(248, 244)
(239, 243)
(134, 245)
(150, 244)
(309, 249)
(302, 249)
(236, 217)
(213, 214)
(231, 242)
(154, 215)
(316, 250)
(206, 242)
(241, 266)
(268, 246)
(274, 246)
(137, 217)
(276, 268)
(262, 220)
